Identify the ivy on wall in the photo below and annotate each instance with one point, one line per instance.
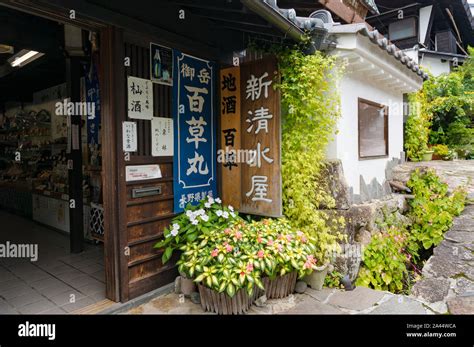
(310, 105)
(418, 125)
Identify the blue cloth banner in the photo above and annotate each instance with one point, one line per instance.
(194, 168)
(92, 96)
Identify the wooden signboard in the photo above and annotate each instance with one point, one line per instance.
(261, 177)
(230, 136)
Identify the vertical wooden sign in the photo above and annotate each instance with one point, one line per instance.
(230, 136)
(261, 175)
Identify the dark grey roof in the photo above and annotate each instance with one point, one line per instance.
(383, 43)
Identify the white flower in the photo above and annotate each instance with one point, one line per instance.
(200, 212)
(218, 200)
(225, 215)
(230, 207)
(189, 213)
(232, 214)
(219, 213)
(174, 232)
(176, 226)
(207, 205)
(205, 217)
(195, 222)
(210, 199)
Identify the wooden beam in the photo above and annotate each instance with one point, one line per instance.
(342, 11)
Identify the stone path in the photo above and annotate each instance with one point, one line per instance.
(448, 276)
(327, 301)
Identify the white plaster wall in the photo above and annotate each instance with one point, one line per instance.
(346, 144)
(435, 65)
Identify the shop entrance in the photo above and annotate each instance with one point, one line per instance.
(51, 191)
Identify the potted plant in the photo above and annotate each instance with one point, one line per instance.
(208, 215)
(293, 252)
(441, 152)
(428, 155)
(316, 279)
(225, 267)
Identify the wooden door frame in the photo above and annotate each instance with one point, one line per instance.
(112, 93)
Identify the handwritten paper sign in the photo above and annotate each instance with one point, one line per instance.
(194, 168)
(230, 136)
(140, 98)
(261, 176)
(142, 172)
(129, 136)
(162, 137)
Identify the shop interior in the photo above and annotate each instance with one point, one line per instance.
(36, 209)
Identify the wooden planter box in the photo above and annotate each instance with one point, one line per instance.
(221, 303)
(280, 287)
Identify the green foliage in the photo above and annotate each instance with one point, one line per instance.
(417, 127)
(239, 257)
(208, 215)
(392, 258)
(311, 110)
(385, 262)
(432, 210)
(333, 280)
(450, 100)
(441, 150)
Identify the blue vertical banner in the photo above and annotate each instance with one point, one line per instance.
(93, 97)
(194, 168)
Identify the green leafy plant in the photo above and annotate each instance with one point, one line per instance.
(240, 256)
(441, 151)
(432, 210)
(385, 262)
(417, 128)
(208, 215)
(311, 109)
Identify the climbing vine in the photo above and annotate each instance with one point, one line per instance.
(310, 104)
(417, 127)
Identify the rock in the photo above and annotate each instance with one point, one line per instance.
(333, 178)
(460, 236)
(195, 298)
(301, 287)
(461, 305)
(364, 191)
(260, 302)
(463, 286)
(400, 305)
(363, 237)
(442, 266)
(431, 289)
(359, 299)
(311, 306)
(177, 285)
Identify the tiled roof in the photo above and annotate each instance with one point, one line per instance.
(383, 43)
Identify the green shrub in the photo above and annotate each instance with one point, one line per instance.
(432, 210)
(385, 262)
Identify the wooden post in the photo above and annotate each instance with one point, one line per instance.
(76, 212)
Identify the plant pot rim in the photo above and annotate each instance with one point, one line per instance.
(323, 267)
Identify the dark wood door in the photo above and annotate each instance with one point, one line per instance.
(143, 219)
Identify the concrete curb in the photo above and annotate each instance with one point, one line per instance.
(119, 308)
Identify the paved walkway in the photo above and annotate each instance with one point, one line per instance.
(448, 276)
(328, 301)
(58, 282)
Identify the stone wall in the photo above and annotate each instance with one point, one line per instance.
(362, 213)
